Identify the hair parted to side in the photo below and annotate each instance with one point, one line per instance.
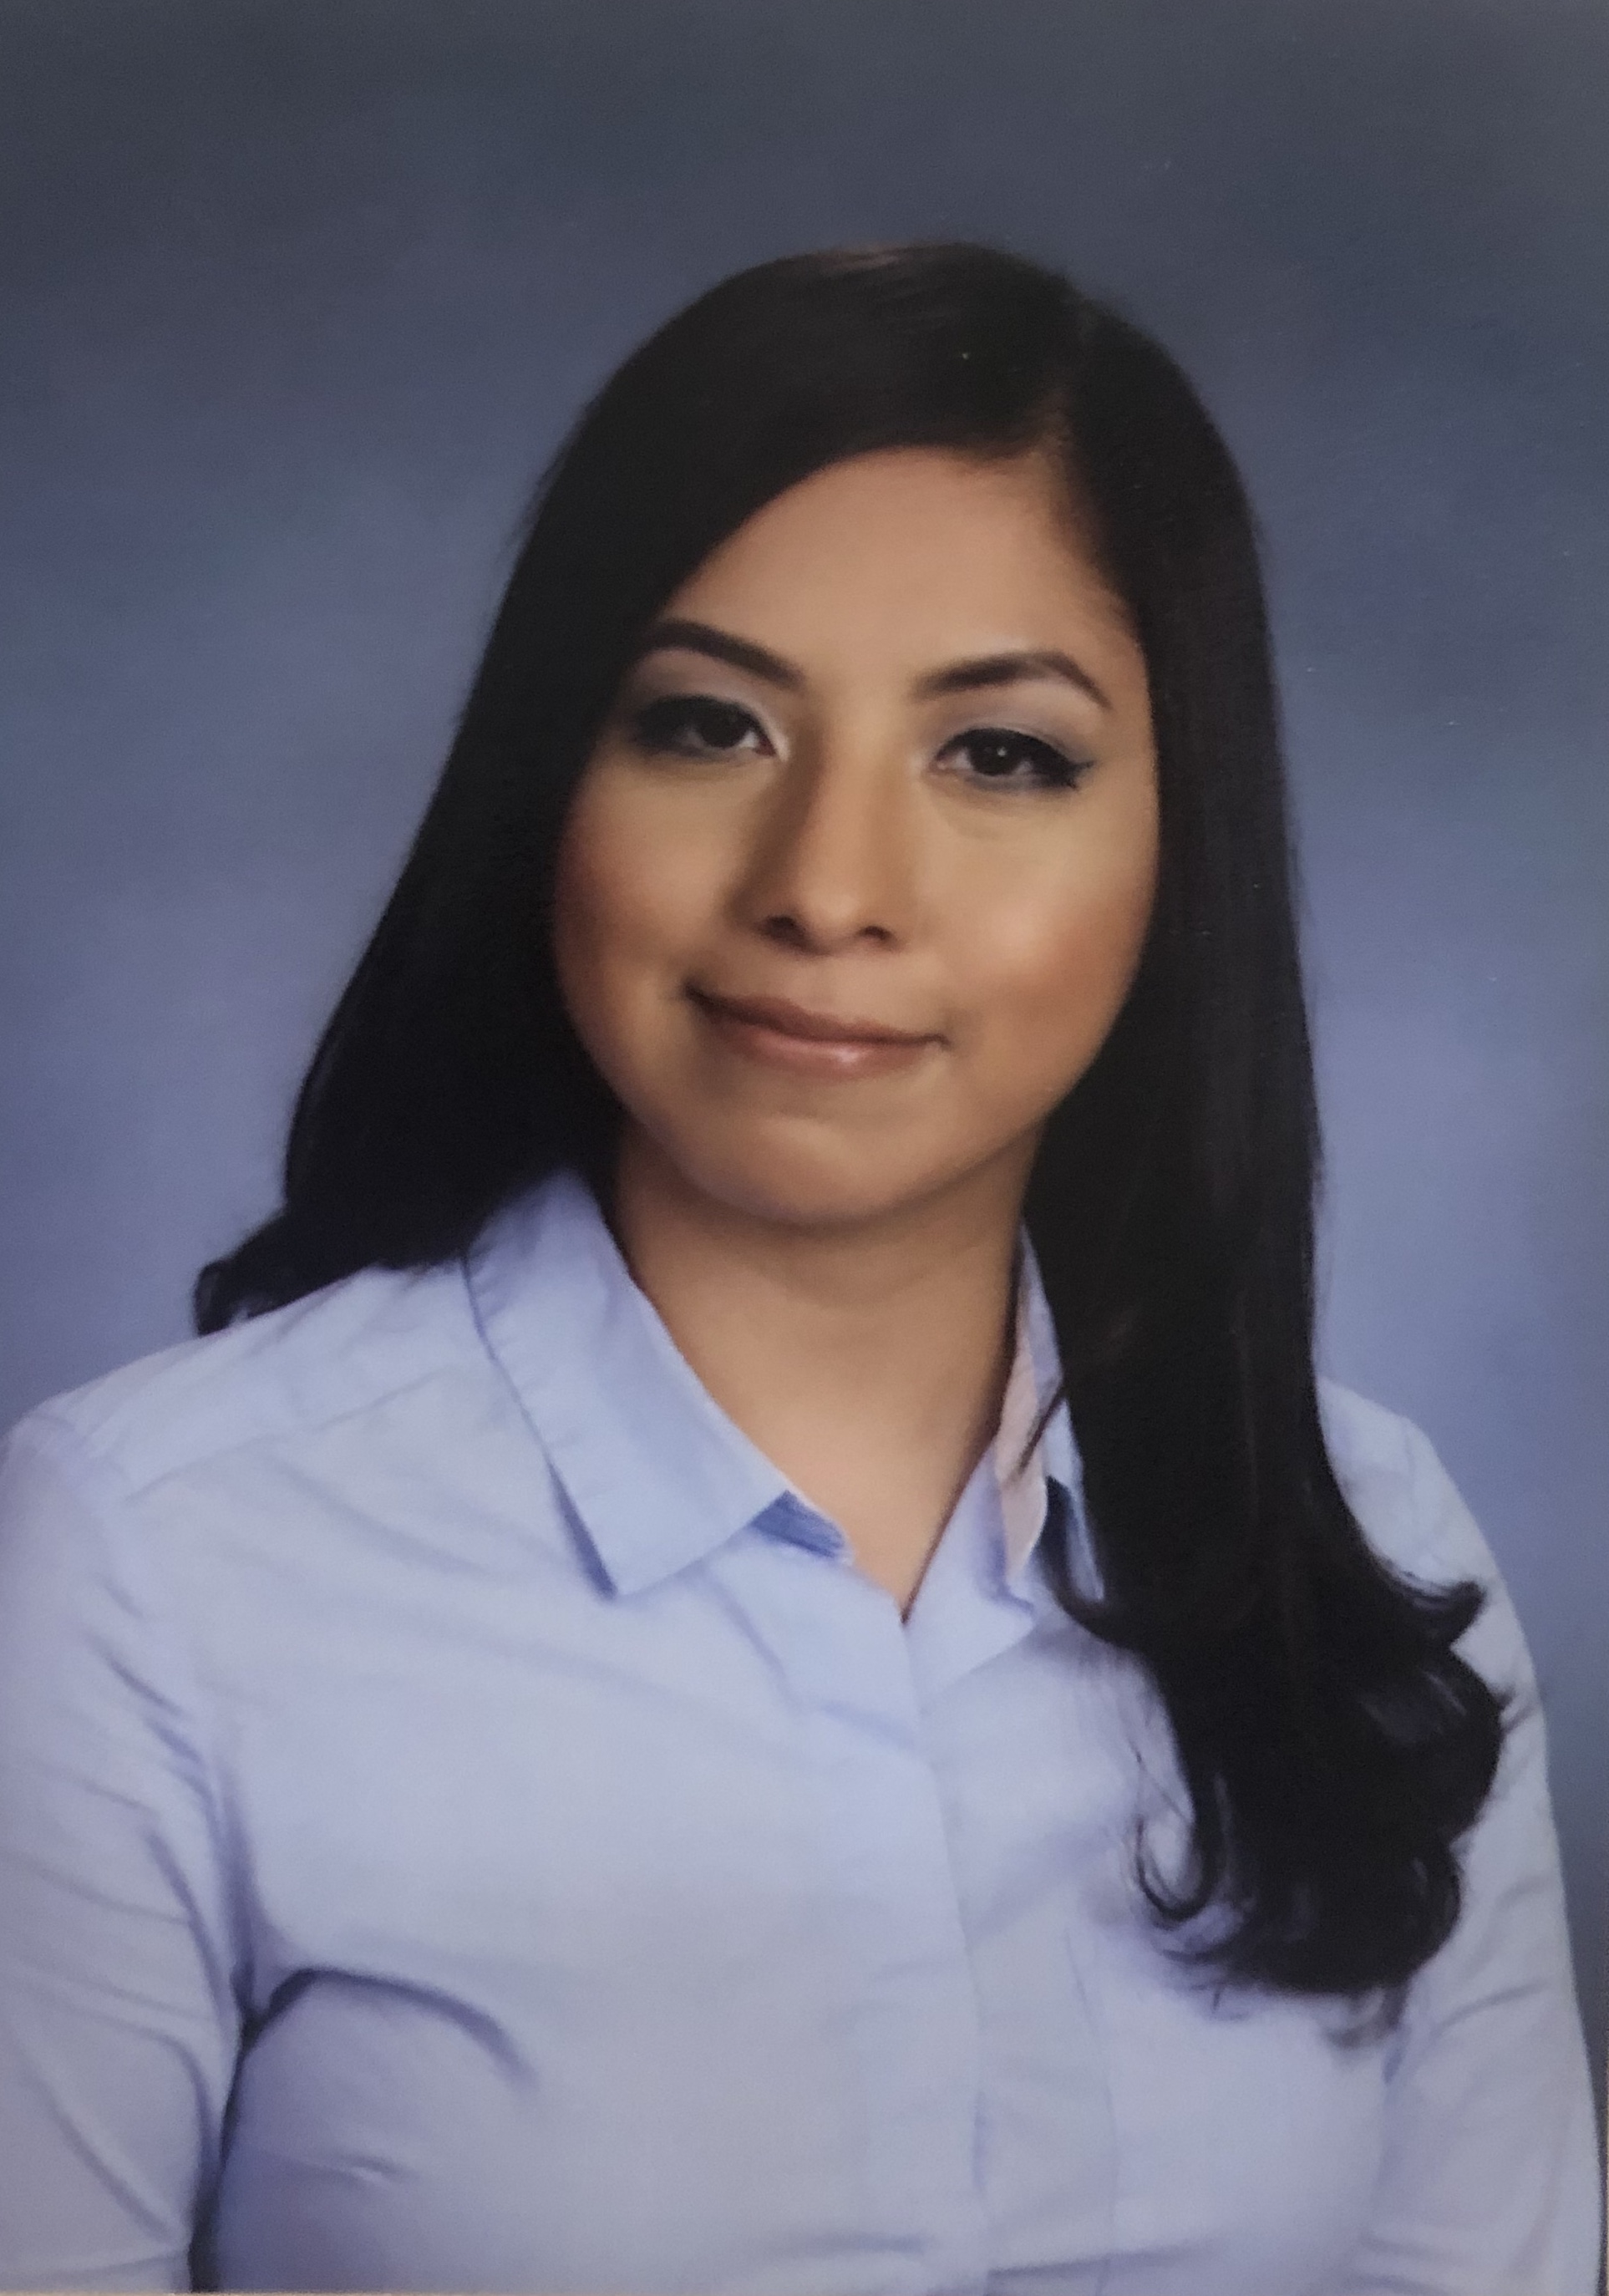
(1334, 1746)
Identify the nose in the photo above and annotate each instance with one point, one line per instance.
(834, 859)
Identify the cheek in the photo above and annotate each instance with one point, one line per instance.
(1059, 968)
(594, 901)
(626, 913)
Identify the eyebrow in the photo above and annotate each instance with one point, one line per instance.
(994, 670)
(1006, 669)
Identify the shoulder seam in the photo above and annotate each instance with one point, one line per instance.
(49, 1421)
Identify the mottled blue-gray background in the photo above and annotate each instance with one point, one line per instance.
(297, 297)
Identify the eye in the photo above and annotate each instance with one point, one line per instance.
(1002, 759)
(695, 725)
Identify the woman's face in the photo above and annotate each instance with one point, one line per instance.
(884, 763)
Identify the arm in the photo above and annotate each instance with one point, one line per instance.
(1491, 2183)
(118, 2022)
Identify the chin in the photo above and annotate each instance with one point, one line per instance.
(798, 1189)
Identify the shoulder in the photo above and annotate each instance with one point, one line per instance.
(353, 1345)
(1397, 1487)
(1417, 1521)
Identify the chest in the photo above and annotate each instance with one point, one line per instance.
(722, 1957)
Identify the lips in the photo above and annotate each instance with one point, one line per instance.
(790, 1020)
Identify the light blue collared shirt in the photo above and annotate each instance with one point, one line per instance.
(466, 1823)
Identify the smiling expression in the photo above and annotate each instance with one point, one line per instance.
(858, 873)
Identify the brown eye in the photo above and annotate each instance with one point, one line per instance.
(995, 755)
(695, 725)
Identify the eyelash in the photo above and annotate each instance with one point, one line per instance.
(671, 725)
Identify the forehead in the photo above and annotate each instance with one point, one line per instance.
(913, 548)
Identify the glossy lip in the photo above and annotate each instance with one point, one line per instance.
(776, 1015)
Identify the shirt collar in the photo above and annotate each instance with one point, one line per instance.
(654, 1471)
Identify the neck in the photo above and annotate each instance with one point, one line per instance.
(866, 1358)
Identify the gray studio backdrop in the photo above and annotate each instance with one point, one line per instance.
(298, 297)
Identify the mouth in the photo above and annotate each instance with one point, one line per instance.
(772, 1034)
(780, 1018)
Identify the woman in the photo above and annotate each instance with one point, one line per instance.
(755, 1663)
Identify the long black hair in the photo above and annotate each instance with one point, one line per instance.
(1334, 1744)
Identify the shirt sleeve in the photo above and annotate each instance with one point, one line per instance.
(1490, 2182)
(119, 2028)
